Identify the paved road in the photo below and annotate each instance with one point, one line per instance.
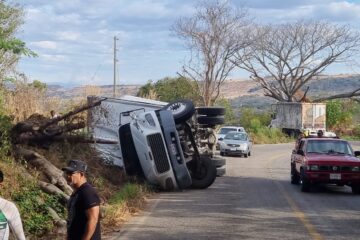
(255, 200)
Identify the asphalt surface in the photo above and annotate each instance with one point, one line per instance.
(254, 200)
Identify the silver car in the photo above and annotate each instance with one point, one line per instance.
(236, 143)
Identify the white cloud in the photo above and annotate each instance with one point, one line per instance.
(68, 36)
(53, 57)
(75, 37)
(44, 44)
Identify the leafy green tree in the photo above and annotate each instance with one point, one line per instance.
(230, 117)
(11, 48)
(38, 85)
(145, 89)
(251, 119)
(170, 89)
(339, 114)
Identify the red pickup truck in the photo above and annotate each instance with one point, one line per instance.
(327, 161)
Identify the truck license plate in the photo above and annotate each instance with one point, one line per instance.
(335, 176)
(232, 149)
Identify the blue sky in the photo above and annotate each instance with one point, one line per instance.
(74, 38)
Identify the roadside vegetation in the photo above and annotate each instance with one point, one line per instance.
(122, 197)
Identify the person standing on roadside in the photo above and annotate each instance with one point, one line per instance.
(84, 204)
(9, 218)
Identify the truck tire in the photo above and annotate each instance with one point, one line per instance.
(305, 184)
(206, 176)
(211, 111)
(213, 120)
(130, 158)
(294, 176)
(355, 189)
(218, 161)
(182, 110)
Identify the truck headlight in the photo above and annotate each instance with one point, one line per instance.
(355, 169)
(150, 119)
(313, 167)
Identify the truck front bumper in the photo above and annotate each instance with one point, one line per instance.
(333, 177)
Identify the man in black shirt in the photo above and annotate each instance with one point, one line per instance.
(83, 206)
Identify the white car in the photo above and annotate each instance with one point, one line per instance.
(224, 130)
(236, 143)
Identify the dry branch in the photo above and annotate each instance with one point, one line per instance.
(343, 95)
(71, 113)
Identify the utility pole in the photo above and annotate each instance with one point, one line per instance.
(115, 60)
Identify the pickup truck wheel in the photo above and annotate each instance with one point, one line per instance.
(305, 184)
(295, 179)
(205, 176)
(246, 155)
(355, 189)
(182, 110)
(210, 111)
(222, 154)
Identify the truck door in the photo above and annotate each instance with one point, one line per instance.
(298, 159)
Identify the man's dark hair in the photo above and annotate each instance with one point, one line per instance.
(1, 176)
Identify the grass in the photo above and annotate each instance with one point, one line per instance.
(265, 135)
(123, 204)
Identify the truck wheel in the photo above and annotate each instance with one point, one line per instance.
(218, 161)
(130, 158)
(355, 189)
(305, 184)
(294, 176)
(205, 176)
(213, 120)
(211, 111)
(182, 110)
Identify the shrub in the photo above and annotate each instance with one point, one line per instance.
(265, 135)
(33, 205)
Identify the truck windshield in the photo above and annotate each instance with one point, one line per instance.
(328, 147)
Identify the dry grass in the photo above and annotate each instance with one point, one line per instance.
(115, 214)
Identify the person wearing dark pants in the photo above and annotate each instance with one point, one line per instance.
(84, 204)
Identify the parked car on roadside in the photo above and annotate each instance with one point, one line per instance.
(325, 161)
(236, 143)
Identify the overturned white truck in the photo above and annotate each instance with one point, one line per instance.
(169, 145)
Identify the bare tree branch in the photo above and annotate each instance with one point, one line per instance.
(212, 35)
(354, 93)
(284, 57)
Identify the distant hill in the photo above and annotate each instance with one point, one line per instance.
(241, 93)
(248, 94)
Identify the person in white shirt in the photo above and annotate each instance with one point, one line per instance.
(9, 218)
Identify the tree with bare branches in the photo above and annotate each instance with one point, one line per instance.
(212, 35)
(283, 58)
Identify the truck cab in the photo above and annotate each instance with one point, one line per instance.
(325, 161)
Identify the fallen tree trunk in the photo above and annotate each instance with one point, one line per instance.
(53, 174)
(25, 138)
(71, 113)
(52, 189)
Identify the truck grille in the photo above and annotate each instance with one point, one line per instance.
(335, 168)
(158, 151)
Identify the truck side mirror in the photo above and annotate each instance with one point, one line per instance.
(357, 153)
(300, 152)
